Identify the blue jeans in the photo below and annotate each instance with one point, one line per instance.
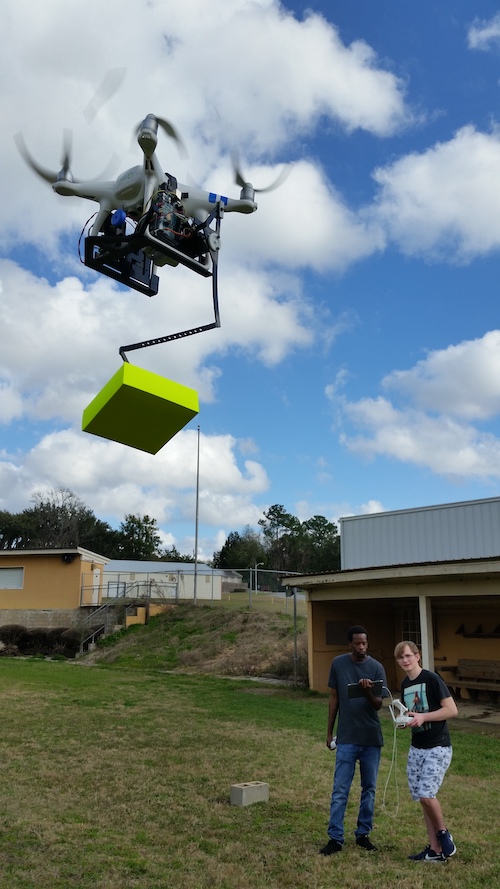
(346, 757)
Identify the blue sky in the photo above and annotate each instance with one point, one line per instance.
(357, 368)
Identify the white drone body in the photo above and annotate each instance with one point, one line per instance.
(134, 189)
(171, 223)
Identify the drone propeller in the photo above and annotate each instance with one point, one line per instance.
(173, 133)
(151, 124)
(247, 186)
(50, 176)
(111, 83)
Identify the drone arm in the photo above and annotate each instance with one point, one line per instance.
(244, 205)
(104, 211)
(202, 204)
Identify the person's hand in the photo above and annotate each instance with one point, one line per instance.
(366, 683)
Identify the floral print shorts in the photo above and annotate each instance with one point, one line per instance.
(426, 770)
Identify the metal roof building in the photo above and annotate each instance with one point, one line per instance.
(443, 533)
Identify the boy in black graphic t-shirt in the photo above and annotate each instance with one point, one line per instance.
(430, 704)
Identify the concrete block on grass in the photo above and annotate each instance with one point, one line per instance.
(249, 792)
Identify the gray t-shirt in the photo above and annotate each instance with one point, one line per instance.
(357, 720)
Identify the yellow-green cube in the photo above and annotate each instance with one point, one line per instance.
(140, 409)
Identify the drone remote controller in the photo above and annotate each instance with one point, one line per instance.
(399, 713)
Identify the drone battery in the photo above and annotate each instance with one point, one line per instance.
(140, 409)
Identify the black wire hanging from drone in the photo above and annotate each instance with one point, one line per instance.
(161, 223)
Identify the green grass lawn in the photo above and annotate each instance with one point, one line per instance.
(113, 777)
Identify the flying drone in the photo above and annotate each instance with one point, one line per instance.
(146, 218)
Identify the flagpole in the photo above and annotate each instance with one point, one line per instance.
(195, 591)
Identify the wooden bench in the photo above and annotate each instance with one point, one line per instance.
(475, 676)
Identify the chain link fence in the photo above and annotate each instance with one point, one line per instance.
(261, 589)
(255, 588)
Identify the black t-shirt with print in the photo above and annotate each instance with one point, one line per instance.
(423, 695)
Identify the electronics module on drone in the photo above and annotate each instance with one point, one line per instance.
(146, 218)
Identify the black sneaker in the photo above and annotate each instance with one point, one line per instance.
(365, 843)
(435, 857)
(331, 847)
(448, 847)
(420, 855)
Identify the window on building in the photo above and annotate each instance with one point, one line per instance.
(336, 632)
(410, 625)
(11, 578)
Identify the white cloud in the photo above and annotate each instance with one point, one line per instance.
(440, 397)
(462, 380)
(60, 343)
(340, 381)
(304, 224)
(444, 202)
(484, 32)
(248, 446)
(11, 403)
(303, 72)
(441, 444)
(113, 480)
(370, 507)
(71, 330)
(333, 512)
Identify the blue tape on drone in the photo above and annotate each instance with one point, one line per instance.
(213, 198)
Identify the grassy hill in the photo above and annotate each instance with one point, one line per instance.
(203, 639)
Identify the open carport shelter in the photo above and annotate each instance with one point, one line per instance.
(431, 575)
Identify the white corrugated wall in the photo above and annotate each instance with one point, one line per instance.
(468, 530)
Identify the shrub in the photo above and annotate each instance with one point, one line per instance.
(69, 642)
(284, 667)
(10, 633)
(35, 641)
(53, 633)
(8, 650)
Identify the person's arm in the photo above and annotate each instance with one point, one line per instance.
(333, 707)
(447, 710)
(374, 700)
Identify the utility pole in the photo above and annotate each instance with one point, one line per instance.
(195, 590)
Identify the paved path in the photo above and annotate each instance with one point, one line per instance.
(482, 712)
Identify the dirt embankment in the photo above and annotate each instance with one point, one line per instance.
(219, 641)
